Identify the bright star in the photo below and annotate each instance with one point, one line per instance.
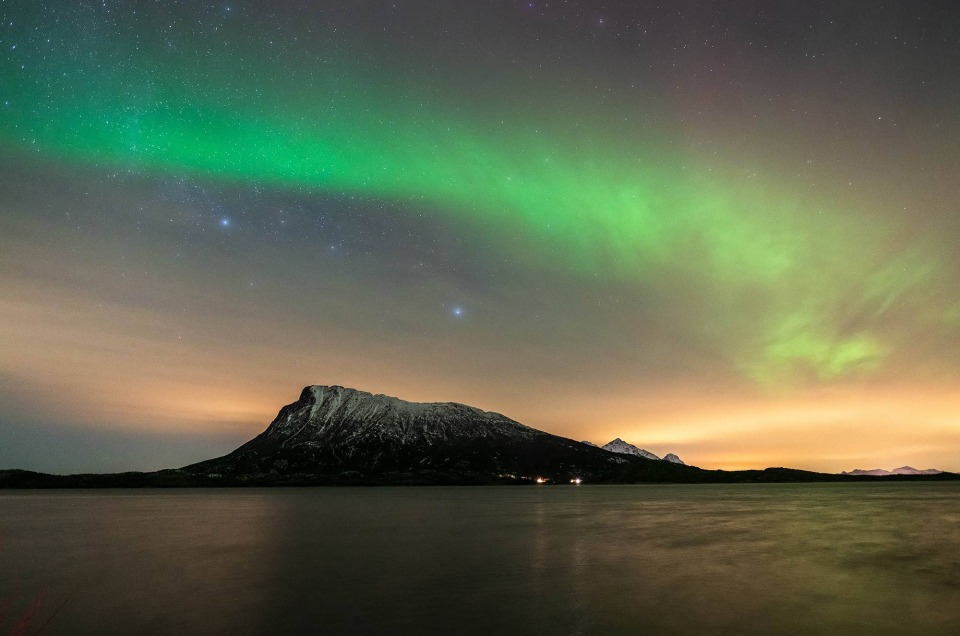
(458, 311)
(225, 222)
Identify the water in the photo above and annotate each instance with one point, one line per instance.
(706, 559)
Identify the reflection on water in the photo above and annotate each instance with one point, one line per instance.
(744, 559)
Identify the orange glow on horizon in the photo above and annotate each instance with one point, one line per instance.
(129, 370)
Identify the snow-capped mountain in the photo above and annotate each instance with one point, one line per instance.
(623, 448)
(903, 470)
(335, 430)
(337, 436)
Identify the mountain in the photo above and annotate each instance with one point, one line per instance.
(623, 448)
(349, 434)
(338, 436)
(903, 470)
(909, 470)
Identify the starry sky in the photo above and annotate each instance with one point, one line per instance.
(727, 230)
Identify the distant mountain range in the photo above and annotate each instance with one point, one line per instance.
(903, 470)
(337, 435)
(623, 448)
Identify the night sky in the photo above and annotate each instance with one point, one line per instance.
(727, 230)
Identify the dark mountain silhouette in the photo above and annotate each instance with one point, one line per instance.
(336, 435)
(336, 431)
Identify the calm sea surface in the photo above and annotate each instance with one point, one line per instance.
(744, 559)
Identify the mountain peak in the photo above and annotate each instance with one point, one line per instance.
(623, 448)
(336, 430)
(323, 392)
(347, 401)
(903, 470)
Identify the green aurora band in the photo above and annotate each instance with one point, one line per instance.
(783, 286)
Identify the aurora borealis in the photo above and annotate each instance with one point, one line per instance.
(723, 230)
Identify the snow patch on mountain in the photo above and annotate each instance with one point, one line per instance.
(340, 416)
(623, 448)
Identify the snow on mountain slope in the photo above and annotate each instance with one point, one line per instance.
(336, 430)
(342, 416)
(623, 448)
